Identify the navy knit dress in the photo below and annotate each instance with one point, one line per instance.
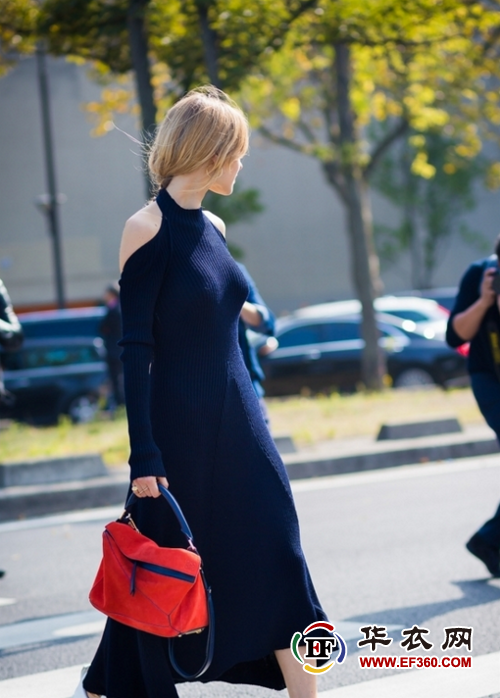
(194, 417)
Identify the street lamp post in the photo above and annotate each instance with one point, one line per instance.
(51, 207)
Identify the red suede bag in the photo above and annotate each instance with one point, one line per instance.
(161, 591)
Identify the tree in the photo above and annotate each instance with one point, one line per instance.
(431, 208)
(17, 24)
(422, 64)
(199, 40)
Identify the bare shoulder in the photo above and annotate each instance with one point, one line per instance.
(139, 229)
(218, 222)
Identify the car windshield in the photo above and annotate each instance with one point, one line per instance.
(43, 357)
(307, 334)
(415, 315)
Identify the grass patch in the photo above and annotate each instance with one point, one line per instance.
(306, 419)
(311, 419)
(108, 437)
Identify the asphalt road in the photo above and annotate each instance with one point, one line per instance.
(385, 548)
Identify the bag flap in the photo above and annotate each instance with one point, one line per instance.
(137, 547)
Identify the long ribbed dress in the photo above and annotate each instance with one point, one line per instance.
(194, 416)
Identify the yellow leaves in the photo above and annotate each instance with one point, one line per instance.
(291, 108)
(493, 176)
(469, 94)
(449, 168)
(114, 100)
(421, 167)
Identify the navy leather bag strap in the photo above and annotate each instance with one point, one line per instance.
(175, 508)
(209, 645)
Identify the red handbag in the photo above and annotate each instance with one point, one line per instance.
(162, 591)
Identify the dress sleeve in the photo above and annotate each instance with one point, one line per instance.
(267, 325)
(140, 284)
(468, 293)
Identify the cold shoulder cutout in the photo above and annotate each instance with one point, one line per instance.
(138, 232)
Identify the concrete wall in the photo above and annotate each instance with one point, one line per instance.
(100, 177)
(296, 250)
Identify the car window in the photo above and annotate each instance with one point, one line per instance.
(341, 331)
(413, 315)
(306, 334)
(43, 357)
(12, 361)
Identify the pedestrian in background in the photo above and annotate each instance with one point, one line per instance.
(475, 318)
(11, 339)
(110, 329)
(195, 419)
(256, 316)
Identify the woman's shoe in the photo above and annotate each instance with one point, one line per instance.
(80, 691)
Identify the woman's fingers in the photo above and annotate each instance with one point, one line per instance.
(148, 486)
(145, 487)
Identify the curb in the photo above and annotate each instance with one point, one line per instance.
(31, 501)
(37, 500)
(321, 466)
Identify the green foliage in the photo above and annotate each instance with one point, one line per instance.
(17, 25)
(90, 29)
(431, 64)
(242, 205)
(431, 207)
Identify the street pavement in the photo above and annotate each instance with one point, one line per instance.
(385, 548)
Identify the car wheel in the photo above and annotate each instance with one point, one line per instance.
(414, 378)
(83, 408)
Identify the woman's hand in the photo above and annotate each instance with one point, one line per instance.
(488, 295)
(148, 486)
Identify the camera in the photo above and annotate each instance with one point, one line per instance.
(495, 284)
(492, 263)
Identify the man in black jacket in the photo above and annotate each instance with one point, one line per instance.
(475, 318)
(110, 330)
(11, 338)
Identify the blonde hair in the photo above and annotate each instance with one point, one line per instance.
(203, 128)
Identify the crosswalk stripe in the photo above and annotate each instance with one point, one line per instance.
(482, 680)
(91, 622)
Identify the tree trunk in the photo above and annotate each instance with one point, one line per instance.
(142, 71)
(365, 267)
(209, 41)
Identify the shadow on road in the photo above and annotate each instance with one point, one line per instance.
(475, 593)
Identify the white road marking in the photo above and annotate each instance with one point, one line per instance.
(401, 472)
(7, 602)
(482, 680)
(91, 622)
(46, 629)
(81, 516)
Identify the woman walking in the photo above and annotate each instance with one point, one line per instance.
(195, 420)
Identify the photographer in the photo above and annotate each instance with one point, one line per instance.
(475, 318)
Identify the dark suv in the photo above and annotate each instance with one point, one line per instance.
(52, 376)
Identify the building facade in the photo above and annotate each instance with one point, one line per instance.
(296, 249)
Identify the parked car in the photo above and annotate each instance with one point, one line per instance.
(321, 353)
(53, 376)
(70, 322)
(429, 317)
(445, 296)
